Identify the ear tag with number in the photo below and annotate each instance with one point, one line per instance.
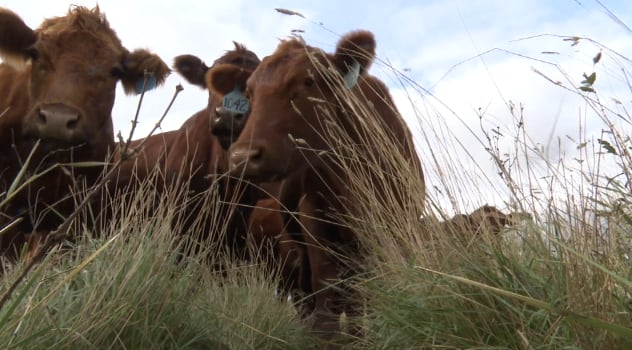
(236, 102)
(351, 77)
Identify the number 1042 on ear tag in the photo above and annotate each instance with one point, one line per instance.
(236, 102)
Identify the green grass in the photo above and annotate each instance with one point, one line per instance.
(133, 289)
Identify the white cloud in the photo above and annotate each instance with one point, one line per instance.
(437, 40)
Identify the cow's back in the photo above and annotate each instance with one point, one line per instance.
(390, 130)
(194, 152)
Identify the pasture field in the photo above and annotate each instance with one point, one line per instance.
(558, 278)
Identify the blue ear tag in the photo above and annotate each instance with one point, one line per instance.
(150, 85)
(236, 102)
(351, 78)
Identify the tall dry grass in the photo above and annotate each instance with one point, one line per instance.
(138, 282)
(559, 280)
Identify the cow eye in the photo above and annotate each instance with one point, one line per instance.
(309, 82)
(116, 72)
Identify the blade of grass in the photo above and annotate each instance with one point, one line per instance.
(602, 268)
(586, 320)
(20, 175)
(79, 267)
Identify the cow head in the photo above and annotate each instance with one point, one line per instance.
(289, 92)
(74, 63)
(227, 106)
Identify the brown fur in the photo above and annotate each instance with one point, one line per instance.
(280, 249)
(192, 147)
(192, 153)
(284, 93)
(483, 220)
(63, 94)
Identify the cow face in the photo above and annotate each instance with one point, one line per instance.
(74, 63)
(227, 105)
(228, 117)
(290, 93)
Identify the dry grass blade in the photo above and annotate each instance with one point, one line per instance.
(77, 269)
(289, 12)
(125, 151)
(10, 225)
(22, 171)
(587, 320)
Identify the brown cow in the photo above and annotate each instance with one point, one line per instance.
(483, 220)
(276, 236)
(295, 96)
(255, 205)
(57, 85)
(268, 230)
(265, 225)
(194, 153)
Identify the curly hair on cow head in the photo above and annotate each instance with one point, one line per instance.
(84, 19)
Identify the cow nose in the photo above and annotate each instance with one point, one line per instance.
(225, 122)
(226, 126)
(245, 160)
(57, 121)
(219, 120)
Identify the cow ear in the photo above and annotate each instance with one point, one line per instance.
(192, 68)
(224, 78)
(135, 64)
(354, 55)
(16, 39)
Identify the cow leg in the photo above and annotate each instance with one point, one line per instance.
(292, 256)
(302, 292)
(236, 193)
(324, 275)
(323, 268)
(353, 305)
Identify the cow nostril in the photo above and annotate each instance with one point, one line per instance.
(255, 154)
(72, 123)
(41, 117)
(246, 160)
(241, 155)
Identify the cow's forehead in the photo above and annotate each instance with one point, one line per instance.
(78, 49)
(80, 28)
(240, 57)
(78, 18)
(76, 39)
(286, 64)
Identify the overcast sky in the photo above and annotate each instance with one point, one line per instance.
(465, 57)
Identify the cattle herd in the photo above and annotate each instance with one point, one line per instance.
(260, 141)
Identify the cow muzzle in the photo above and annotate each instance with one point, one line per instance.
(246, 161)
(226, 126)
(56, 121)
